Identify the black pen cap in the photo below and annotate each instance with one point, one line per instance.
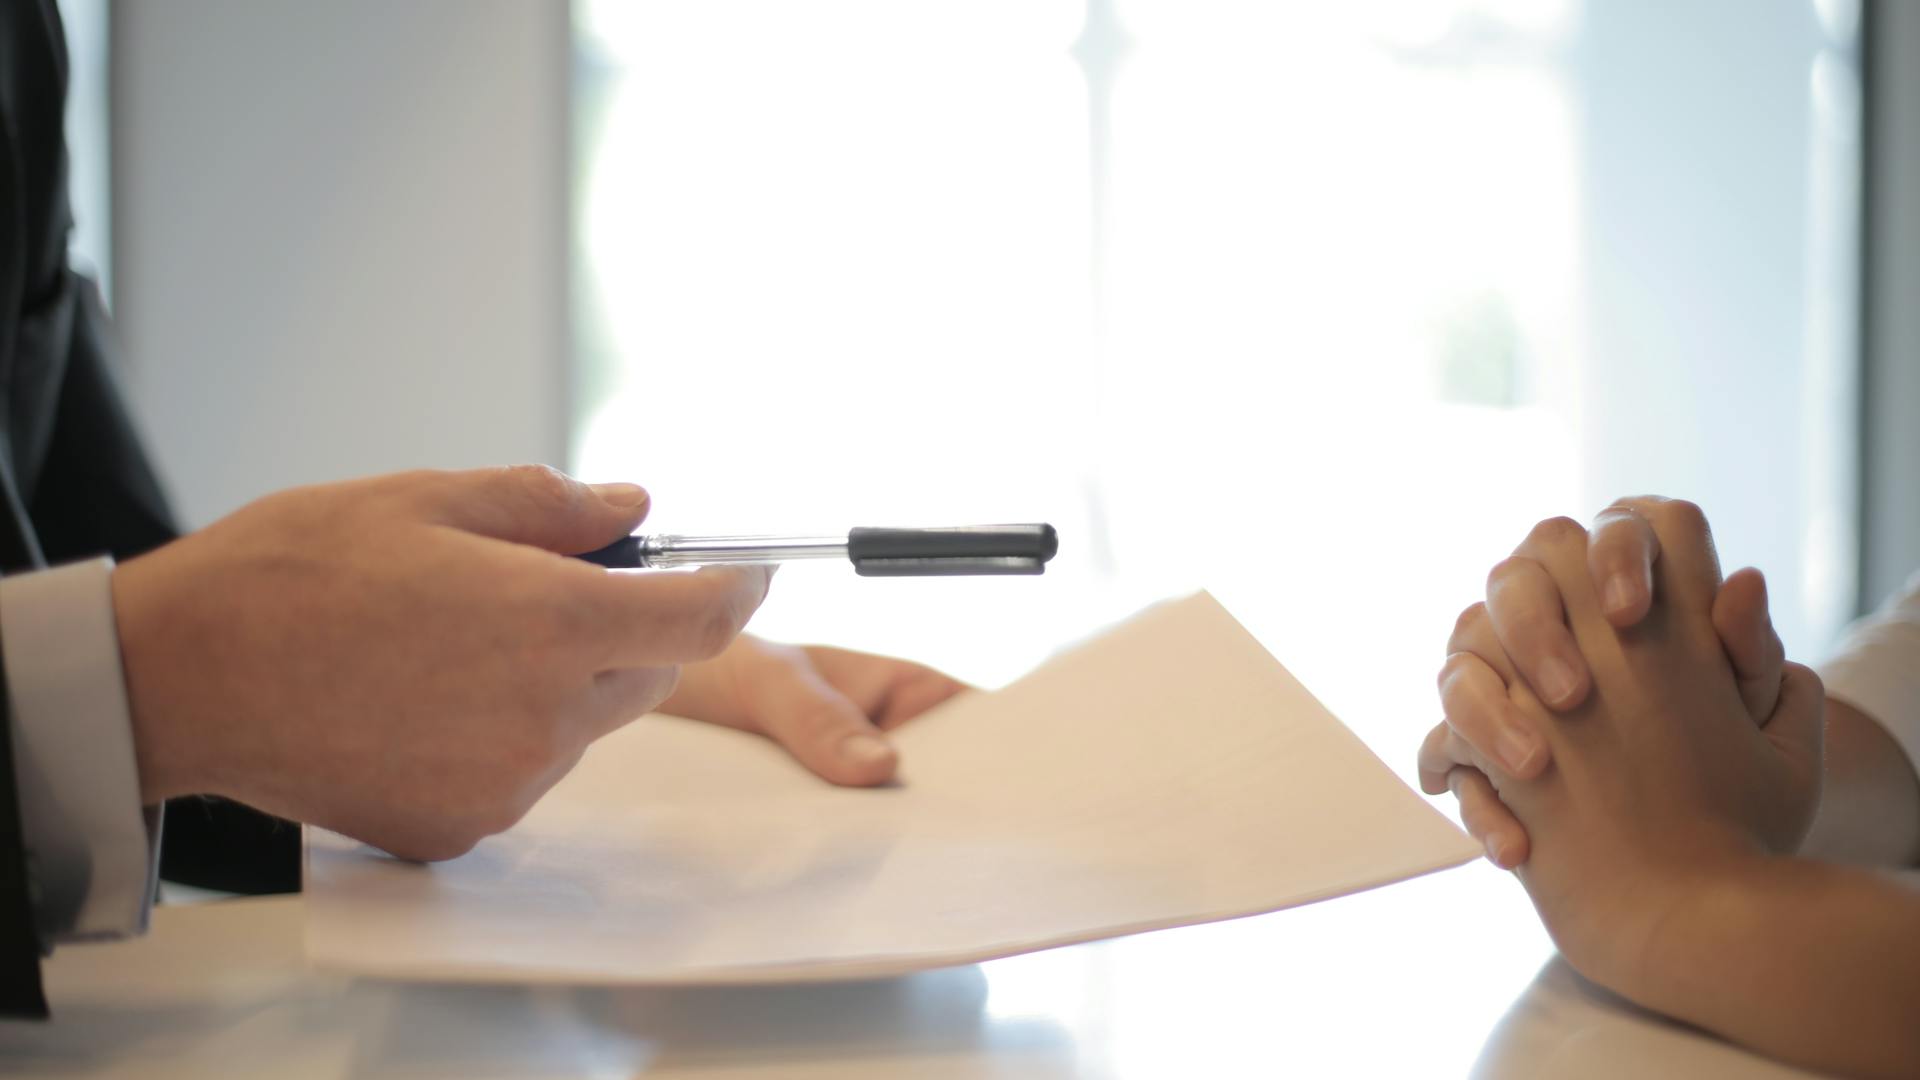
(969, 549)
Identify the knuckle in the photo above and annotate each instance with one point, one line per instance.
(1557, 530)
(541, 483)
(1470, 616)
(1806, 676)
(1452, 670)
(1618, 531)
(1516, 589)
(1508, 569)
(1467, 623)
(1683, 514)
(1633, 504)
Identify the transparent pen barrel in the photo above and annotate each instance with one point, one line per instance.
(668, 551)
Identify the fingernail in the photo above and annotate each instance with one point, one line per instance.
(1496, 852)
(624, 496)
(1618, 595)
(1556, 679)
(865, 750)
(1516, 749)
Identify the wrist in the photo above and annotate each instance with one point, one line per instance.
(1691, 912)
(1621, 909)
(165, 755)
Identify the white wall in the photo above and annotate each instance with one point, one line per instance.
(1719, 231)
(340, 237)
(1891, 495)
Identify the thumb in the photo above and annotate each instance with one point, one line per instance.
(538, 506)
(823, 729)
(1746, 632)
(1797, 731)
(1798, 725)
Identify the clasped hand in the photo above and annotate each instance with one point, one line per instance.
(1620, 722)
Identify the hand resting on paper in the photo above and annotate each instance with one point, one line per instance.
(1663, 820)
(828, 707)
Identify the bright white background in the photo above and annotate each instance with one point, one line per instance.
(1371, 288)
(1317, 306)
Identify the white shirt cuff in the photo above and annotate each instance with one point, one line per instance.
(92, 849)
(1877, 668)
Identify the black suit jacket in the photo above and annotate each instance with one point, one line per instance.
(74, 480)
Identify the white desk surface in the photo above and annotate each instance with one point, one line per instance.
(1346, 988)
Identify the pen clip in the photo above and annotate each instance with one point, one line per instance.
(946, 567)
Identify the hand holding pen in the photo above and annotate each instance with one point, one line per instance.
(942, 552)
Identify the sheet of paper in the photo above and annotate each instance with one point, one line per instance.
(1168, 772)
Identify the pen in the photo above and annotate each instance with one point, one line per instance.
(942, 552)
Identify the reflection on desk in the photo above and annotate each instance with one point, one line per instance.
(1348, 988)
(1565, 1027)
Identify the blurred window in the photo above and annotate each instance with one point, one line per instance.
(1319, 306)
(89, 136)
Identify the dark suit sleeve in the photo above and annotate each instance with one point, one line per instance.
(21, 993)
(98, 493)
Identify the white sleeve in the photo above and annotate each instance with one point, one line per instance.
(1877, 668)
(92, 850)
